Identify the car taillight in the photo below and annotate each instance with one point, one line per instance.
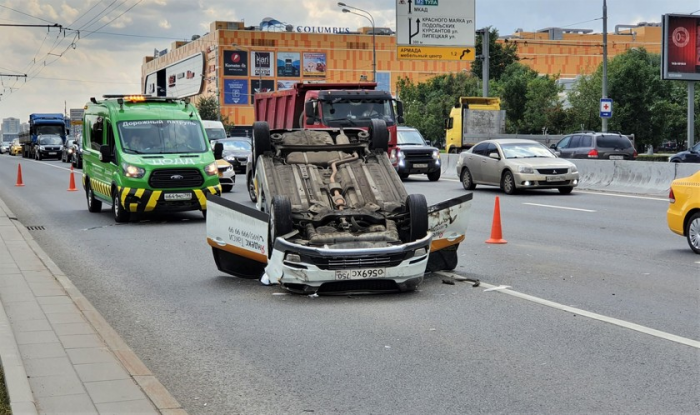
(635, 153)
(593, 153)
(671, 196)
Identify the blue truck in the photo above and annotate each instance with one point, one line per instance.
(46, 136)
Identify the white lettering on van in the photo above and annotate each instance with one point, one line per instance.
(171, 162)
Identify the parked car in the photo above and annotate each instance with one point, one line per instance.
(413, 155)
(683, 215)
(227, 177)
(594, 145)
(236, 151)
(48, 146)
(15, 147)
(77, 154)
(67, 150)
(5, 147)
(515, 164)
(689, 156)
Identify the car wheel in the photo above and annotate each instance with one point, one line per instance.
(280, 220)
(227, 187)
(403, 176)
(566, 190)
(417, 209)
(251, 188)
(466, 178)
(508, 183)
(120, 214)
(692, 232)
(93, 204)
(379, 135)
(261, 140)
(434, 176)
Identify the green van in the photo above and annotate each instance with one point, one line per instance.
(146, 154)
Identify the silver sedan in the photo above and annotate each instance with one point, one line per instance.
(515, 164)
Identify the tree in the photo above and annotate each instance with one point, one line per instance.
(208, 107)
(501, 56)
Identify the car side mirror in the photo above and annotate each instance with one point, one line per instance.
(310, 112)
(105, 155)
(218, 151)
(494, 155)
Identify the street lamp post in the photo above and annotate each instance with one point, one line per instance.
(346, 9)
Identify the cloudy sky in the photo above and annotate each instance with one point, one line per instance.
(108, 39)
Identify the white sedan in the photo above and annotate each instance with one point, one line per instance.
(515, 164)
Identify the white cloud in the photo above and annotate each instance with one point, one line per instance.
(165, 24)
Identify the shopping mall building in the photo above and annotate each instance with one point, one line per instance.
(233, 61)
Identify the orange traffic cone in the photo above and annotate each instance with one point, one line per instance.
(496, 234)
(19, 175)
(71, 186)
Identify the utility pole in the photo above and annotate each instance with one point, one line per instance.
(485, 50)
(605, 61)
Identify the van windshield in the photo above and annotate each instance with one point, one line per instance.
(215, 133)
(162, 136)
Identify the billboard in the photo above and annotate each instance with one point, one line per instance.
(288, 64)
(262, 64)
(185, 78)
(236, 91)
(680, 47)
(235, 63)
(314, 64)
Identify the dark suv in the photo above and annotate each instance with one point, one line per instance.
(413, 155)
(595, 145)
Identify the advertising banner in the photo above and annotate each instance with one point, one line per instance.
(314, 64)
(236, 91)
(267, 86)
(285, 85)
(185, 78)
(288, 64)
(235, 63)
(680, 47)
(262, 64)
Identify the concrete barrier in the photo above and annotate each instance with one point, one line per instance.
(686, 169)
(594, 174)
(449, 163)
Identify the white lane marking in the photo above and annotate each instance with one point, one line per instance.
(593, 192)
(625, 324)
(500, 287)
(559, 207)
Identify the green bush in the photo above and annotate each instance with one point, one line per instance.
(652, 157)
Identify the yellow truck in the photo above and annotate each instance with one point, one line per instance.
(473, 119)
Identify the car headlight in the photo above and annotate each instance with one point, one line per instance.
(230, 158)
(212, 169)
(574, 169)
(133, 171)
(526, 169)
(436, 154)
(41, 148)
(70, 151)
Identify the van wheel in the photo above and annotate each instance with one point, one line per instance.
(508, 183)
(93, 204)
(417, 209)
(121, 215)
(379, 135)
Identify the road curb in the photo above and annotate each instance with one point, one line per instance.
(152, 388)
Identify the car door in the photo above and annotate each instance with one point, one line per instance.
(474, 161)
(492, 165)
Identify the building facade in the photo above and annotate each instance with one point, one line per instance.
(10, 128)
(231, 62)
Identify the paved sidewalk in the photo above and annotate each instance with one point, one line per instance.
(58, 353)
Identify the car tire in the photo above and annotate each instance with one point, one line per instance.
(403, 176)
(261, 140)
(566, 190)
(121, 215)
(280, 220)
(417, 209)
(251, 188)
(227, 187)
(508, 183)
(434, 176)
(94, 205)
(467, 180)
(379, 135)
(692, 232)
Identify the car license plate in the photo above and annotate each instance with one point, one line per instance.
(177, 196)
(617, 157)
(555, 178)
(420, 166)
(358, 274)
(52, 153)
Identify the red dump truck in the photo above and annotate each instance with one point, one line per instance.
(329, 105)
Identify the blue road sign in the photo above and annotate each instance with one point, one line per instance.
(606, 105)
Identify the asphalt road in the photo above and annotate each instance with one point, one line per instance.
(223, 345)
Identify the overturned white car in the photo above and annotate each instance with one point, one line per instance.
(333, 216)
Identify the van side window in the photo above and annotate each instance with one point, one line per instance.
(586, 141)
(96, 136)
(564, 143)
(575, 142)
(110, 138)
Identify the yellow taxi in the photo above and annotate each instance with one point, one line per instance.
(227, 176)
(15, 147)
(683, 213)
